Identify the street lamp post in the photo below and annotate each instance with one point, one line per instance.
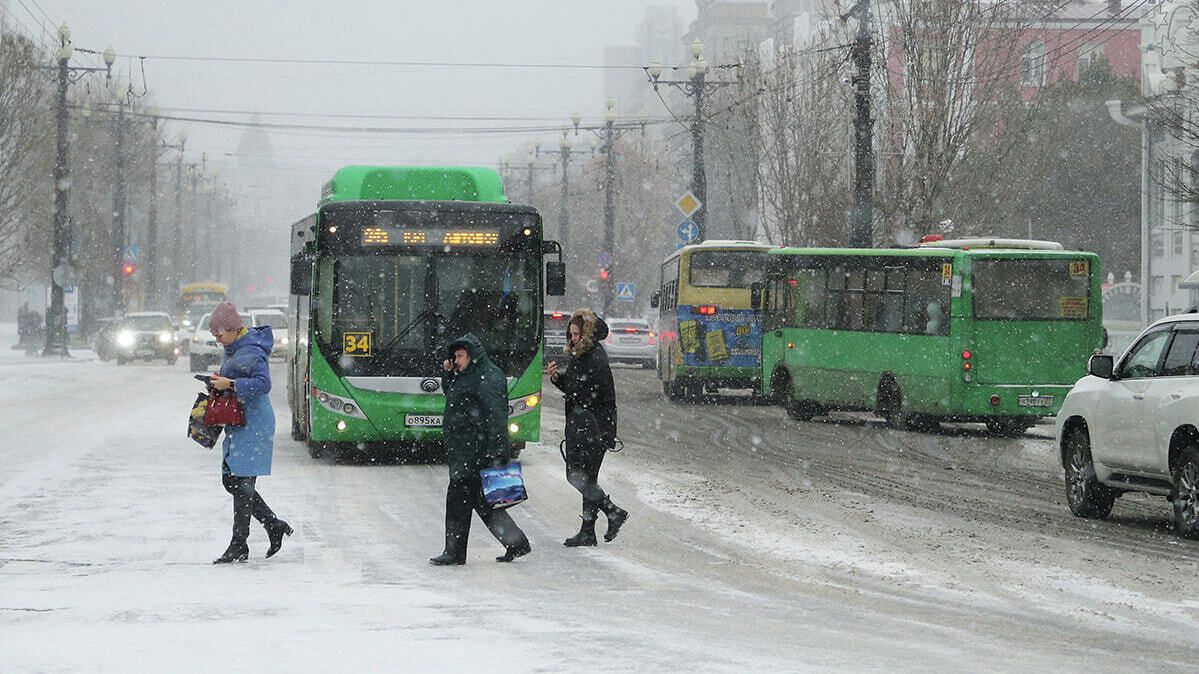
(696, 87)
(118, 212)
(61, 274)
(533, 168)
(563, 153)
(177, 247)
(608, 134)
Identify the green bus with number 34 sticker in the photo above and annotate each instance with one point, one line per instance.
(395, 264)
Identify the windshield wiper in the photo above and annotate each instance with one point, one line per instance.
(420, 318)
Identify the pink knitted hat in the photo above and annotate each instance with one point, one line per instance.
(224, 317)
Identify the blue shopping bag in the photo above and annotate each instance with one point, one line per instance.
(504, 486)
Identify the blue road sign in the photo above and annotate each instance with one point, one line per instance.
(129, 254)
(688, 231)
(625, 292)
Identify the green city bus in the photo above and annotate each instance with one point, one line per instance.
(979, 330)
(710, 335)
(396, 263)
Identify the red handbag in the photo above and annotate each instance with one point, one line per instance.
(224, 409)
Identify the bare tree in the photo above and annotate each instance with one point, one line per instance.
(25, 159)
(948, 70)
(800, 112)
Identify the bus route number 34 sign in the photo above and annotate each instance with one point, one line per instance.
(356, 344)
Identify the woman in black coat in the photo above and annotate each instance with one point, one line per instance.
(590, 421)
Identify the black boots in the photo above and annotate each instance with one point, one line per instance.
(616, 517)
(236, 552)
(278, 529)
(447, 559)
(586, 535)
(515, 551)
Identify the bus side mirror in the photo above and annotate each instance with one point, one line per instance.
(1101, 365)
(301, 275)
(653, 299)
(555, 278)
(755, 295)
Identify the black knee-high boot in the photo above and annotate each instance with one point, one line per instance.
(586, 535)
(616, 517)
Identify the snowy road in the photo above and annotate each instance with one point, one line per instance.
(755, 543)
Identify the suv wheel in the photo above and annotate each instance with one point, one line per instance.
(1086, 495)
(1186, 493)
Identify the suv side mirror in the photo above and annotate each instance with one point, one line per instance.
(653, 299)
(1101, 365)
(555, 278)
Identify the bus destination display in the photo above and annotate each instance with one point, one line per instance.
(380, 236)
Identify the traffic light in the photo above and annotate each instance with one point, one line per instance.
(128, 268)
(603, 274)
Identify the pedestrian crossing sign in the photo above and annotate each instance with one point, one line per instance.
(626, 291)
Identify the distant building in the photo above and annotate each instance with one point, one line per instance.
(1168, 76)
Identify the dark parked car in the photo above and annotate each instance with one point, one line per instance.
(146, 334)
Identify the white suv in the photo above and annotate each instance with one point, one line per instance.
(1133, 425)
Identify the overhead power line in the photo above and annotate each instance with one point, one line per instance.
(427, 130)
(402, 64)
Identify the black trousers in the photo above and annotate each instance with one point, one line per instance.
(584, 456)
(466, 494)
(246, 503)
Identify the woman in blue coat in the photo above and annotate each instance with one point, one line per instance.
(247, 449)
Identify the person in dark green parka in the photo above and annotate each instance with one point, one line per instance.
(475, 428)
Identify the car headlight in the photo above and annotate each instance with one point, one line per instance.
(126, 338)
(164, 337)
(284, 339)
(187, 323)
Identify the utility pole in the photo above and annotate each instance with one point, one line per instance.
(609, 141)
(863, 126)
(699, 177)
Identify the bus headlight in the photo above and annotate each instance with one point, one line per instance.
(126, 338)
(341, 424)
(338, 405)
(523, 404)
(513, 428)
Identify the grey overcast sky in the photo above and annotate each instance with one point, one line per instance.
(474, 31)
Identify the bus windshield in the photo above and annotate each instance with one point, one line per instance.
(726, 268)
(413, 305)
(1024, 289)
